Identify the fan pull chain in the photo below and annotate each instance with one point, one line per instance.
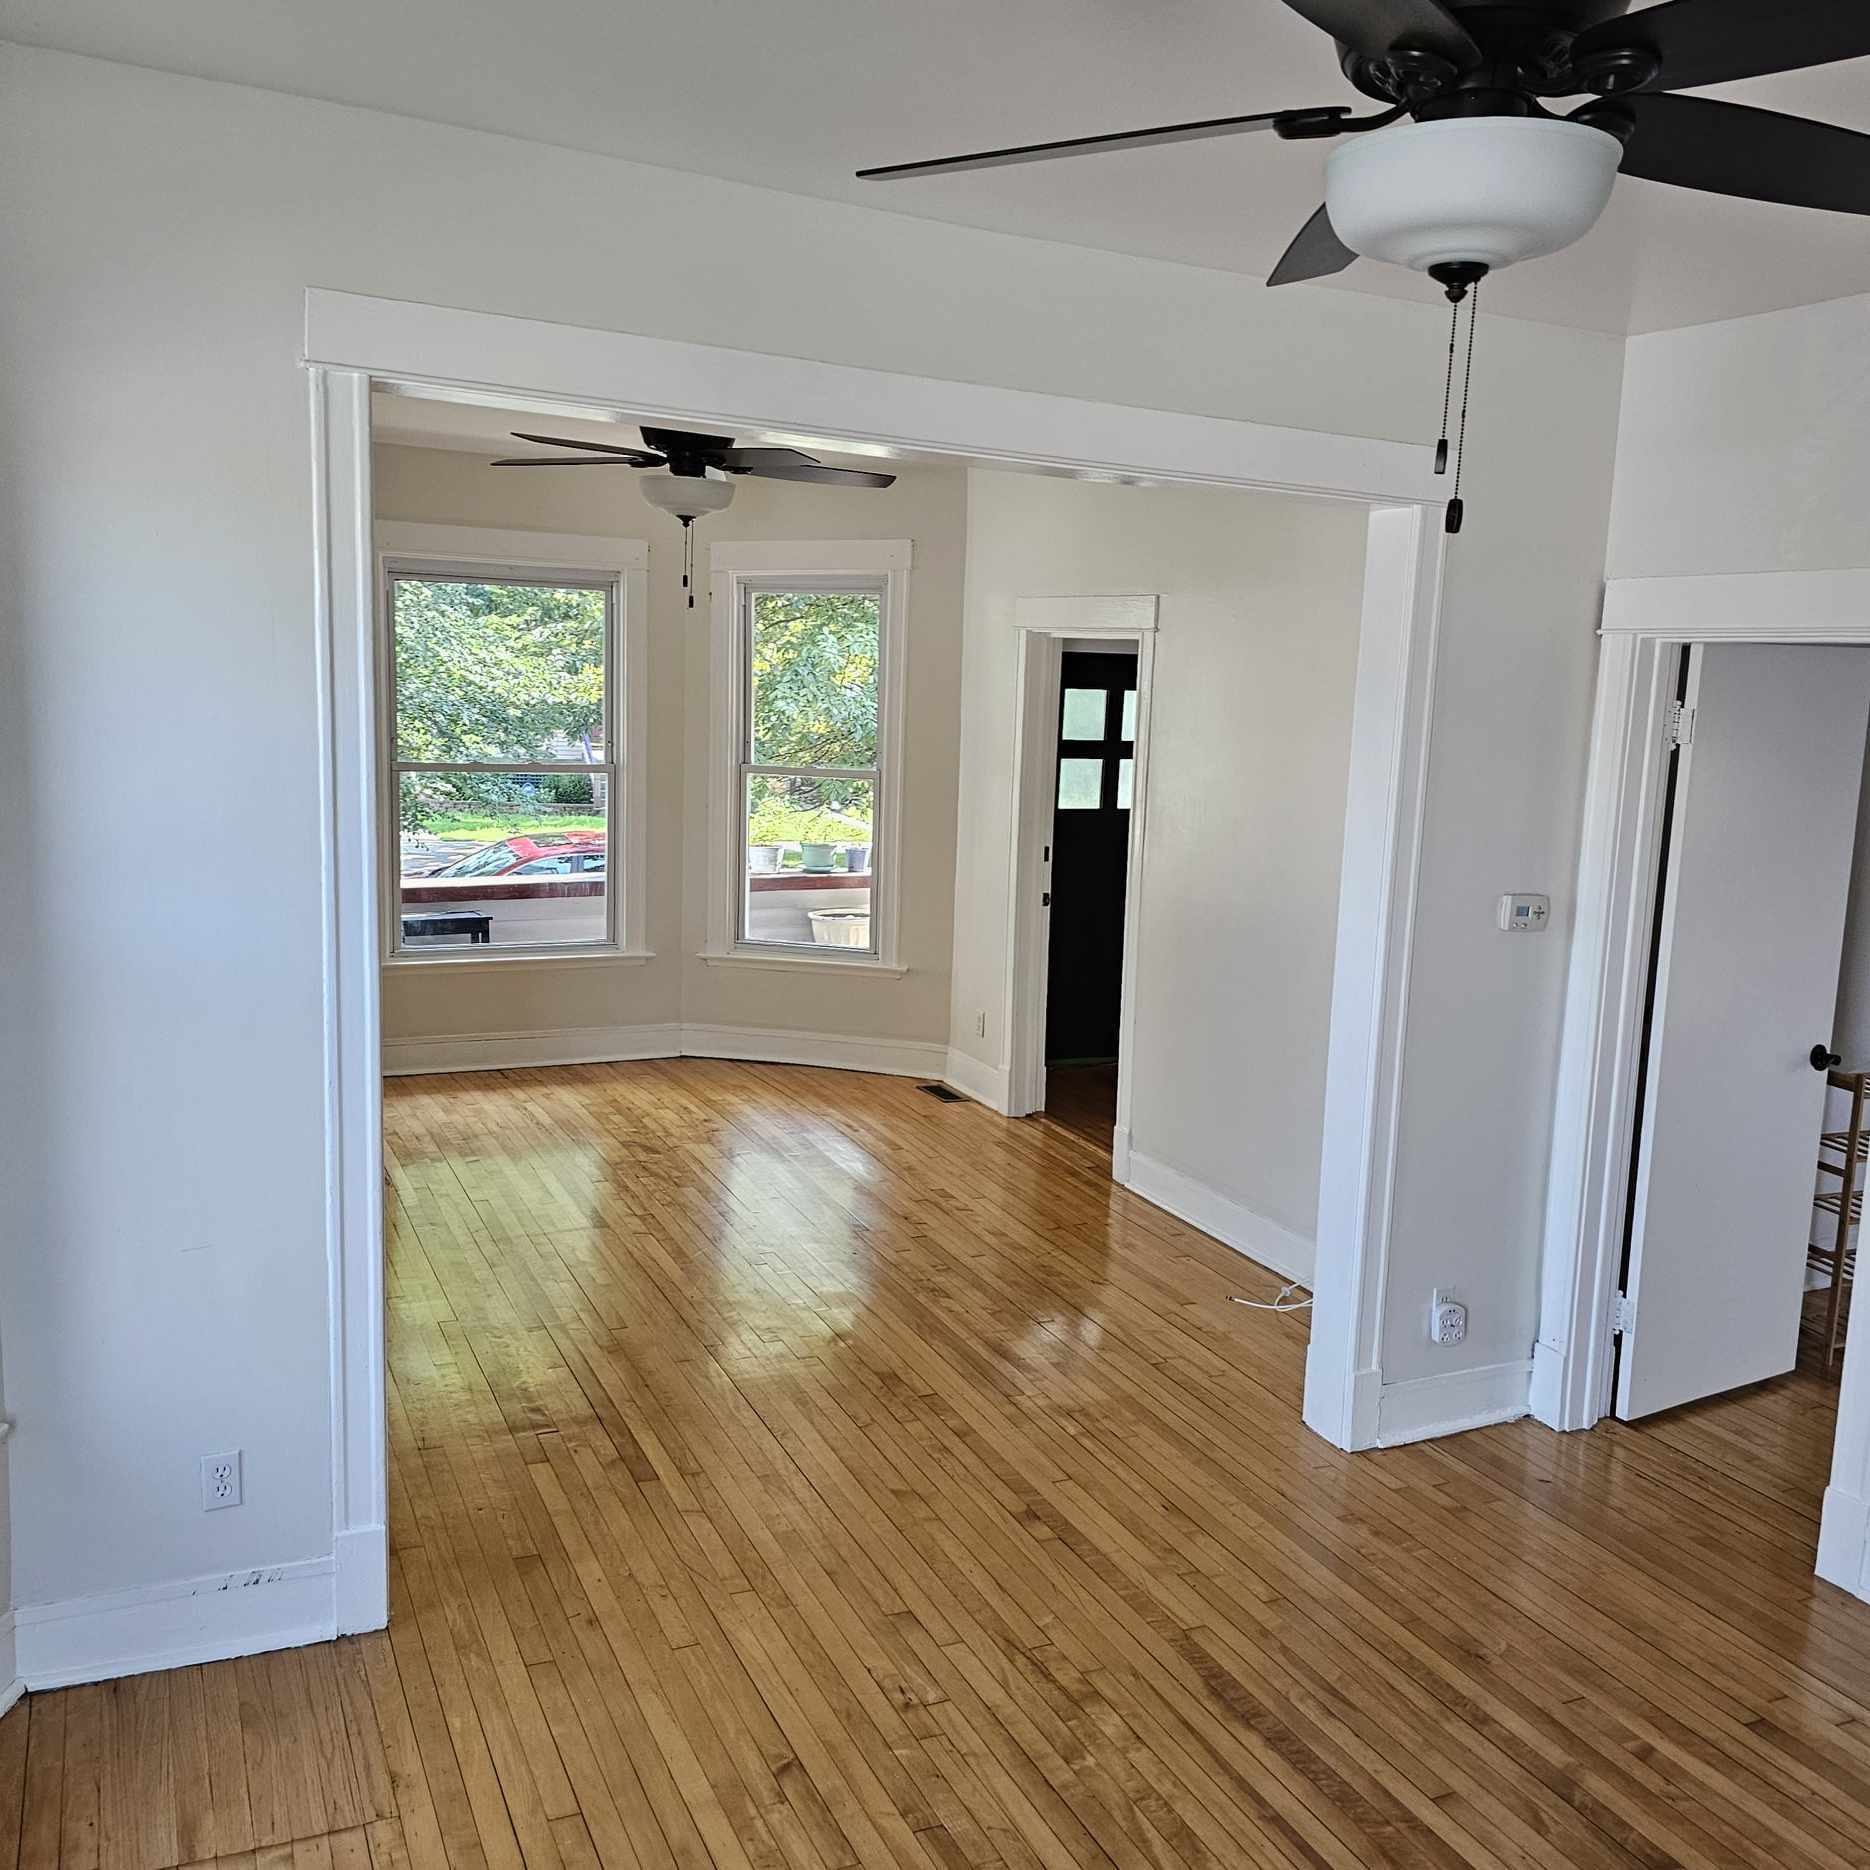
(1455, 508)
(688, 558)
(1447, 389)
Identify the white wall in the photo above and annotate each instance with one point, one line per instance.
(164, 1292)
(1745, 447)
(927, 506)
(1249, 754)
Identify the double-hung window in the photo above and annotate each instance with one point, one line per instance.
(808, 668)
(506, 796)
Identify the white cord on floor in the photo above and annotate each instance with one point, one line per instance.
(1275, 1305)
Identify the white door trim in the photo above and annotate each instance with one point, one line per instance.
(1646, 621)
(1383, 810)
(1044, 624)
(351, 339)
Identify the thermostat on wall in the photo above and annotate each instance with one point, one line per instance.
(1520, 913)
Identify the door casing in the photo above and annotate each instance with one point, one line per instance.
(1646, 623)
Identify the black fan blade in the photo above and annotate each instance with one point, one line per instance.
(1377, 27)
(1714, 41)
(1089, 145)
(1732, 149)
(636, 457)
(826, 477)
(577, 461)
(752, 460)
(1315, 252)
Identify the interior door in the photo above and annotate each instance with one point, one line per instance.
(1090, 855)
(1748, 946)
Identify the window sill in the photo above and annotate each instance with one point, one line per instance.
(522, 957)
(784, 963)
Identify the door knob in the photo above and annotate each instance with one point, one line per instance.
(1824, 1059)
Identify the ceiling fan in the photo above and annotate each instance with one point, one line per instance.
(699, 474)
(1464, 169)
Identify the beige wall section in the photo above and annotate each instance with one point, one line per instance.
(1249, 753)
(927, 506)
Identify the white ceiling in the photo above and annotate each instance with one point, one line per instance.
(795, 94)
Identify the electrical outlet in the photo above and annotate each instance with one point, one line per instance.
(980, 1024)
(1447, 1318)
(220, 1480)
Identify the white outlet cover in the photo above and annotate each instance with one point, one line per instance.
(220, 1480)
(1447, 1319)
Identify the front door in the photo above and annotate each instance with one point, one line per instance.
(1090, 855)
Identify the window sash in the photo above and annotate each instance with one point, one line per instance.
(746, 767)
(611, 769)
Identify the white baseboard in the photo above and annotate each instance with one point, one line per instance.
(167, 1626)
(1844, 1542)
(985, 1084)
(1120, 1154)
(1445, 1405)
(603, 1045)
(1545, 1393)
(361, 1580)
(900, 1058)
(1277, 1248)
(514, 1051)
(11, 1687)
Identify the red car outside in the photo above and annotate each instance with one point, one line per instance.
(553, 854)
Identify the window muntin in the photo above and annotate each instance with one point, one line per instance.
(809, 758)
(504, 777)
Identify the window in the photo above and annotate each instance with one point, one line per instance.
(807, 668)
(505, 783)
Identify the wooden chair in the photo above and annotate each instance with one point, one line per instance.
(1842, 1153)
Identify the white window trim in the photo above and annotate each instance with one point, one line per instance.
(733, 563)
(622, 561)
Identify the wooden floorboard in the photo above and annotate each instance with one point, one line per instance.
(790, 1471)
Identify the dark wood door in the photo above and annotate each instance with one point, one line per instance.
(1092, 785)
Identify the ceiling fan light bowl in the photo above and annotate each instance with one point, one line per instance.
(687, 496)
(1487, 190)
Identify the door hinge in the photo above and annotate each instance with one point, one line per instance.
(1045, 899)
(1622, 1316)
(1681, 729)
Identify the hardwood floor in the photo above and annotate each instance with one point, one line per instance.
(1084, 1099)
(792, 1471)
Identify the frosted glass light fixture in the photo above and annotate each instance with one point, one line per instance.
(687, 496)
(1483, 191)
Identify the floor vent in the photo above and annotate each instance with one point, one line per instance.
(942, 1091)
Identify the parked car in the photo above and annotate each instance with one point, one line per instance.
(552, 854)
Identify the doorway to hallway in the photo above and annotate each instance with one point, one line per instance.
(1095, 780)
